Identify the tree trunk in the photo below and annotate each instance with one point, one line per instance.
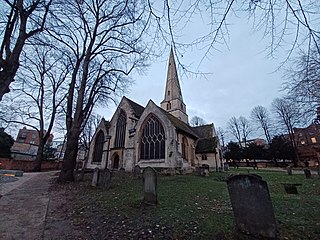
(39, 157)
(70, 157)
(5, 80)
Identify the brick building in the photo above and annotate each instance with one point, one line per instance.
(26, 145)
(308, 144)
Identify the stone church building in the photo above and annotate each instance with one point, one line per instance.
(160, 137)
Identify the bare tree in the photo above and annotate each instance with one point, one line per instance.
(303, 81)
(245, 129)
(261, 115)
(240, 129)
(19, 21)
(289, 116)
(89, 130)
(38, 94)
(235, 129)
(197, 121)
(103, 41)
(221, 135)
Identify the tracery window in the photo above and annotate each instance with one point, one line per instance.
(121, 130)
(98, 147)
(152, 143)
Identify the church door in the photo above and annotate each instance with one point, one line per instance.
(116, 161)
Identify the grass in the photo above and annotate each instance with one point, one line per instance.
(193, 207)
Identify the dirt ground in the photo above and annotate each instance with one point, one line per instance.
(61, 222)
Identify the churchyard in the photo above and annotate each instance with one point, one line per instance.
(189, 207)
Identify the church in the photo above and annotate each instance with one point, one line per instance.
(159, 137)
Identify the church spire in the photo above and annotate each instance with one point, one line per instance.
(173, 101)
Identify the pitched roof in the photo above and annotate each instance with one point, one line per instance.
(206, 145)
(180, 125)
(137, 108)
(204, 131)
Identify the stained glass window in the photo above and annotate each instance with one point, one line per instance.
(98, 147)
(152, 145)
(121, 130)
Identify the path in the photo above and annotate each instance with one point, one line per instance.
(23, 206)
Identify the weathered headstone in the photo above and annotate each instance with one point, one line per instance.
(202, 171)
(289, 170)
(137, 172)
(307, 173)
(252, 206)
(104, 180)
(150, 186)
(95, 177)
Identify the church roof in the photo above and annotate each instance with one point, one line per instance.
(204, 131)
(207, 145)
(180, 125)
(137, 108)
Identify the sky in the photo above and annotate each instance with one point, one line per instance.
(241, 77)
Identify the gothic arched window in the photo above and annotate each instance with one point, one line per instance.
(185, 148)
(98, 147)
(121, 130)
(152, 143)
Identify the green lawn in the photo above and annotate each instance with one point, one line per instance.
(193, 207)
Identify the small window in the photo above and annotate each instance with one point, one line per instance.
(168, 106)
(168, 93)
(313, 140)
(204, 157)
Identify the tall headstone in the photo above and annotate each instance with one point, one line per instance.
(104, 180)
(252, 206)
(289, 170)
(307, 173)
(95, 177)
(150, 186)
(137, 172)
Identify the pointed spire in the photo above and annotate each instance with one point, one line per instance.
(173, 101)
(173, 90)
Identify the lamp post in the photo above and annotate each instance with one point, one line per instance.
(108, 137)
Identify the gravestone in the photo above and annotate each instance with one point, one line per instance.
(202, 171)
(307, 173)
(137, 172)
(104, 180)
(289, 170)
(252, 206)
(95, 177)
(291, 188)
(150, 186)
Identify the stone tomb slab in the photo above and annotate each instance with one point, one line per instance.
(150, 186)
(137, 171)
(252, 206)
(307, 173)
(95, 177)
(104, 180)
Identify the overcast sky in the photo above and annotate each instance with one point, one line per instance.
(241, 78)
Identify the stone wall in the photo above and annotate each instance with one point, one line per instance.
(27, 166)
